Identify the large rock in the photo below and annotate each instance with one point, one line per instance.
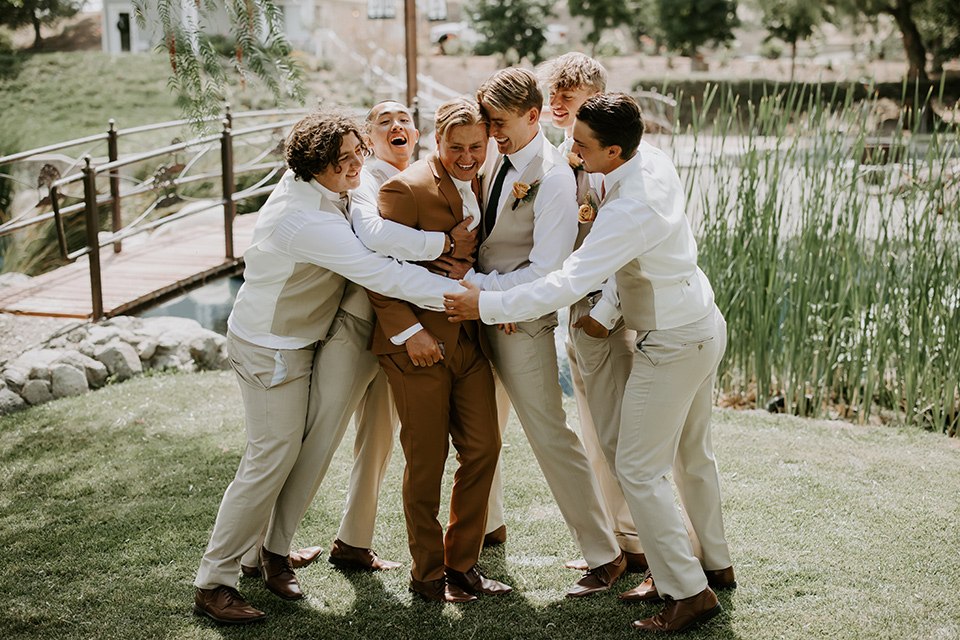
(96, 371)
(209, 349)
(14, 379)
(147, 347)
(67, 381)
(10, 402)
(35, 364)
(121, 360)
(37, 392)
(11, 279)
(168, 324)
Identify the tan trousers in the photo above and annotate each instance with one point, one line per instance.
(448, 401)
(664, 427)
(347, 381)
(526, 364)
(599, 369)
(275, 386)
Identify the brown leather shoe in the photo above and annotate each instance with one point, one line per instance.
(636, 563)
(646, 591)
(224, 605)
(278, 575)
(440, 590)
(343, 555)
(495, 537)
(680, 615)
(298, 560)
(721, 579)
(473, 581)
(599, 579)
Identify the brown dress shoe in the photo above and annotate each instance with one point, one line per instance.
(646, 591)
(680, 615)
(473, 581)
(344, 555)
(636, 562)
(721, 579)
(577, 565)
(298, 560)
(224, 605)
(495, 537)
(440, 590)
(278, 575)
(599, 579)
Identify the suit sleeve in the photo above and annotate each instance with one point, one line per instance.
(396, 202)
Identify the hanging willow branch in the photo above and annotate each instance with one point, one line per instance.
(198, 76)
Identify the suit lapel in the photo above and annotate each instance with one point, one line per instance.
(447, 188)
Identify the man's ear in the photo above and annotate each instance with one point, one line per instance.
(416, 136)
(613, 151)
(533, 115)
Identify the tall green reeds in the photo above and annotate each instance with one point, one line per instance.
(834, 251)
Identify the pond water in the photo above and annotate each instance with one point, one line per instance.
(209, 305)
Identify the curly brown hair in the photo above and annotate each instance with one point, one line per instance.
(314, 142)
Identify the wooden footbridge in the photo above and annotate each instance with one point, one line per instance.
(168, 237)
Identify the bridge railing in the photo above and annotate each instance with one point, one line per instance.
(119, 181)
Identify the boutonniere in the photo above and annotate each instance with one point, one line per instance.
(575, 162)
(588, 210)
(523, 192)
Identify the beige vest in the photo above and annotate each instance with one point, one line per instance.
(508, 246)
(279, 297)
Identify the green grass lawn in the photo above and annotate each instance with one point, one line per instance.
(107, 501)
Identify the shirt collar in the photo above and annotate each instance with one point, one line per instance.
(333, 196)
(388, 169)
(620, 173)
(462, 184)
(520, 159)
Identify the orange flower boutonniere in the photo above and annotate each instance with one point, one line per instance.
(523, 192)
(588, 210)
(575, 162)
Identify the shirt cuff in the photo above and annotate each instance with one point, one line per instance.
(401, 338)
(433, 248)
(605, 313)
(491, 307)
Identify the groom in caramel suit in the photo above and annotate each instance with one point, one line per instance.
(440, 374)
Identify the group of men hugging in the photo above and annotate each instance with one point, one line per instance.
(425, 294)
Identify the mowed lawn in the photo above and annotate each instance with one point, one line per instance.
(107, 502)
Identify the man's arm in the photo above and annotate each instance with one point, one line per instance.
(386, 236)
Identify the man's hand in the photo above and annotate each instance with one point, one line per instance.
(423, 349)
(449, 267)
(464, 241)
(591, 327)
(508, 327)
(463, 305)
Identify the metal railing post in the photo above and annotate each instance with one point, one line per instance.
(92, 222)
(229, 206)
(113, 154)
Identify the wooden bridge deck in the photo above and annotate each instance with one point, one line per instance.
(165, 265)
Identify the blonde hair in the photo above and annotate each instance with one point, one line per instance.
(572, 71)
(512, 90)
(457, 113)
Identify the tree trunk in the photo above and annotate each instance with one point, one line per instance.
(37, 38)
(793, 60)
(912, 42)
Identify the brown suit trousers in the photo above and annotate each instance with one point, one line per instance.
(450, 400)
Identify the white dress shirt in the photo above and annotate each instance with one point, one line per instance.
(554, 215)
(386, 236)
(326, 239)
(646, 223)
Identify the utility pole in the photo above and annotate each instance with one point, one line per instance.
(410, 31)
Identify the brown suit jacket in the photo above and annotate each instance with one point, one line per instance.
(422, 197)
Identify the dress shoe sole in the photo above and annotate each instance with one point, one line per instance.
(442, 599)
(345, 563)
(703, 618)
(200, 611)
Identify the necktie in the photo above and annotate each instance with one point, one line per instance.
(470, 206)
(343, 205)
(490, 217)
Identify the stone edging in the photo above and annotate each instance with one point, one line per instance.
(91, 355)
